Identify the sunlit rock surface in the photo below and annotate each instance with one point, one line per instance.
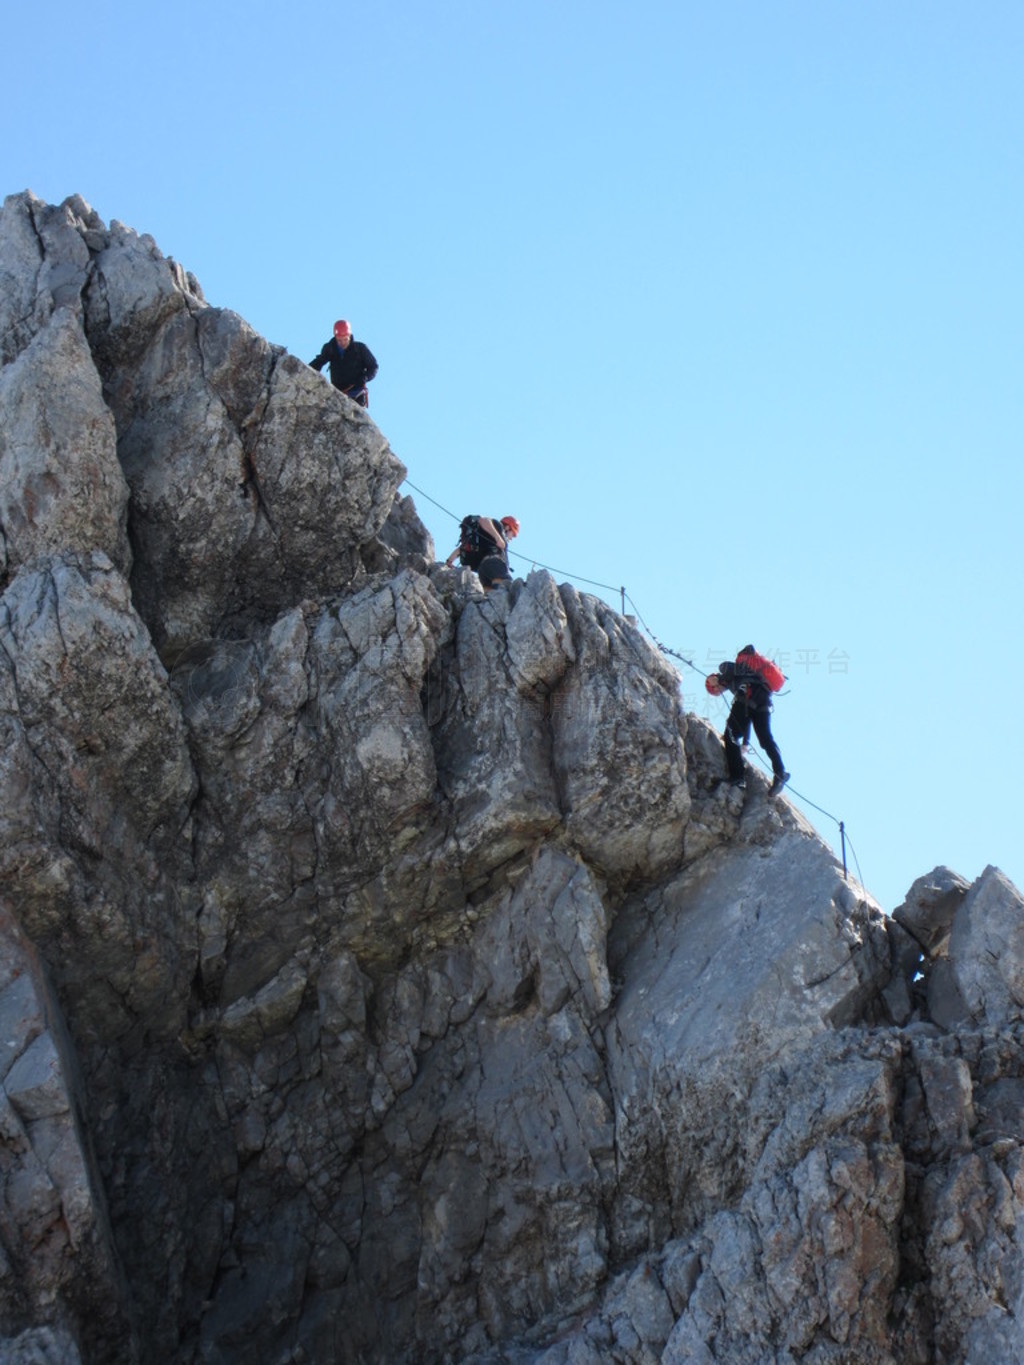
(385, 972)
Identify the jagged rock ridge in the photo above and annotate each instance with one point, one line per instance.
(385, 974)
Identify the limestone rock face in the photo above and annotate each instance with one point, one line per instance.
(59, 1253)
(742, 937)
(63, 488)
(94, 825)
(385, 971)
(250, 482)
(985, 958)
(619, 747)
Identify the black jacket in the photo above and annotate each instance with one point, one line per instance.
(351, 368)
(747, 684)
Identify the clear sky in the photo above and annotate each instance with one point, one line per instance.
(724, 301)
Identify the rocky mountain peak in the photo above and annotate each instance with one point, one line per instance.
(386, 972)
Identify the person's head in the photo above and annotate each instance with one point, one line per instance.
(713, 684)
(342, 333)
(510, 527)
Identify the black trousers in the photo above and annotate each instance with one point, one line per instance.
(737, 732)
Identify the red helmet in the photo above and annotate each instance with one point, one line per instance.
(713, 684)
(510, 525)
(342, 329)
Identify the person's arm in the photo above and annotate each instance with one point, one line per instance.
(370, 365)
(493, 533)
(321, 360)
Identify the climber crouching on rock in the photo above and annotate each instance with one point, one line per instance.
(483, 547)
(752, 679)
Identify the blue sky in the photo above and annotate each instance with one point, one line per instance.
(724, 302)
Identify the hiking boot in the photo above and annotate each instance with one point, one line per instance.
(740, 783)
(778, 783)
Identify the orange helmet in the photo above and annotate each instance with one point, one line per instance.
(713, 684)
(510, 525)
(342, 329)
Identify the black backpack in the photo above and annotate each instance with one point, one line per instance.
(474, 546)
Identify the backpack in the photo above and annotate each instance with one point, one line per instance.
(474, 546)
(770, 674)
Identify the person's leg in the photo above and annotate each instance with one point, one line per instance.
(763, 730)
(493, 571)
(737, 731)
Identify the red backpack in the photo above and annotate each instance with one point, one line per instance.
(771, 674)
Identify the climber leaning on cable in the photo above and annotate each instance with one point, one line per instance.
(752, 679)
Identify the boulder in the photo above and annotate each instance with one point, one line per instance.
(981, 977)
(931, 903)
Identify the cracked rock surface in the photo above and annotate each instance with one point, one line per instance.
(385, 972)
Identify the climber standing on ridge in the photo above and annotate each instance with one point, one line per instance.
(752, 678)
(352, 364)
(483, 546)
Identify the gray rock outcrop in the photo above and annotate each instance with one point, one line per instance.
(385, 972)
